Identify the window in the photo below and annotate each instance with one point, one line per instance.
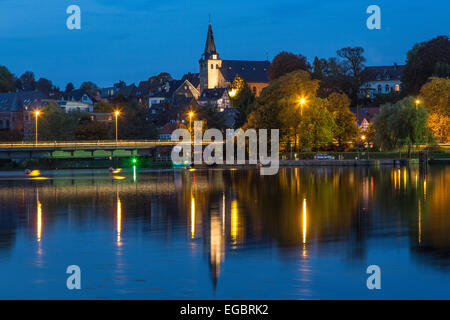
(386, 89)
(217, 66)
(379, 88)
(212, 66)
(397, 88)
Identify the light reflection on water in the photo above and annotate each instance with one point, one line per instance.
(305, 233)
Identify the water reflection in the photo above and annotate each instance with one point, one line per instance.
(334, 214)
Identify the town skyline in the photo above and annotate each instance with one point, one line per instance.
(178, 55)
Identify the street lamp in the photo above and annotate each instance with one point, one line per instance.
(37, 113)
(116, 113)
(190, 120)
(302, 102)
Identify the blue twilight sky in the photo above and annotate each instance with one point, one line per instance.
(131, 40)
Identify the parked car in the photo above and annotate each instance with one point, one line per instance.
(323, 156)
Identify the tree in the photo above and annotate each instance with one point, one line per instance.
(90, 88)
(402, 123)
(160, 78)
(436, 98)
(278, 107)
(44, 85)
(6, 80)
(28, 81)
(354, 61)
(69, 87)
(316, 126)
(104, 107)
(57, 125)
(286, 62)
(92, 130)
(345, 120)
(425, 60)
(241, 98)
(134, 123)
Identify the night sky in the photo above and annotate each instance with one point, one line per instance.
(131, 40)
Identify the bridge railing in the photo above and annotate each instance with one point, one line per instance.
(85, 144)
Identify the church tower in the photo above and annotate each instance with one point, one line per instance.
(210, 64)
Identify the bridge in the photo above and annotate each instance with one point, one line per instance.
(81, 149)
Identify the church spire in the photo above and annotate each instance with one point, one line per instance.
(210, 47)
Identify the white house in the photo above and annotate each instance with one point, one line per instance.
(380, 80)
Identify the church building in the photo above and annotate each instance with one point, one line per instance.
(217, 73)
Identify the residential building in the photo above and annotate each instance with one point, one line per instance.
(380, 80)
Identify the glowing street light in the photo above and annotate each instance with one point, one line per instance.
(190, 120)
(37, 113)
(116, 113)
(363, 137)
(302, 102)
(417, 103)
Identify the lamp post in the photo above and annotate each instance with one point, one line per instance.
(302, 102)
(363, 138)
(37, 113)
(117, 115)
(417, 120)
(190, 120)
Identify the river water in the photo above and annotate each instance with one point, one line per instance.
(306, 233)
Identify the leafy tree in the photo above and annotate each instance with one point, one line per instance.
(44, 85)
(69, 87)
(345, 120)
(286, 62)
(316, 125)
(6, 80)
(104, 107)
(57, 125)
(90, 88)
(402, 123)
(161, 78)
(278, 107)
(134, 123)
(436, 98)
(425, 60)
(354, 58)
(243, 99)
(354, 63)
(28, 80)
(92, 130)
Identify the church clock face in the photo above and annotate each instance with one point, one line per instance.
(214, 56)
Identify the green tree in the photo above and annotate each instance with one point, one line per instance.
(90, 88)
(6, 80)
(28, 80)
(243, 99)
(278, 107)
(286, 62)
(345, 120)
(69, 87)
(104, 107)
(424, 60)
(92, 130)
(354, 61)
(316, 126)
(44, 85)
(436, 98)
(402, 123)
(134, 123)
(57, 125)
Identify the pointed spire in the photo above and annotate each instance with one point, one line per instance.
(210, 47)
